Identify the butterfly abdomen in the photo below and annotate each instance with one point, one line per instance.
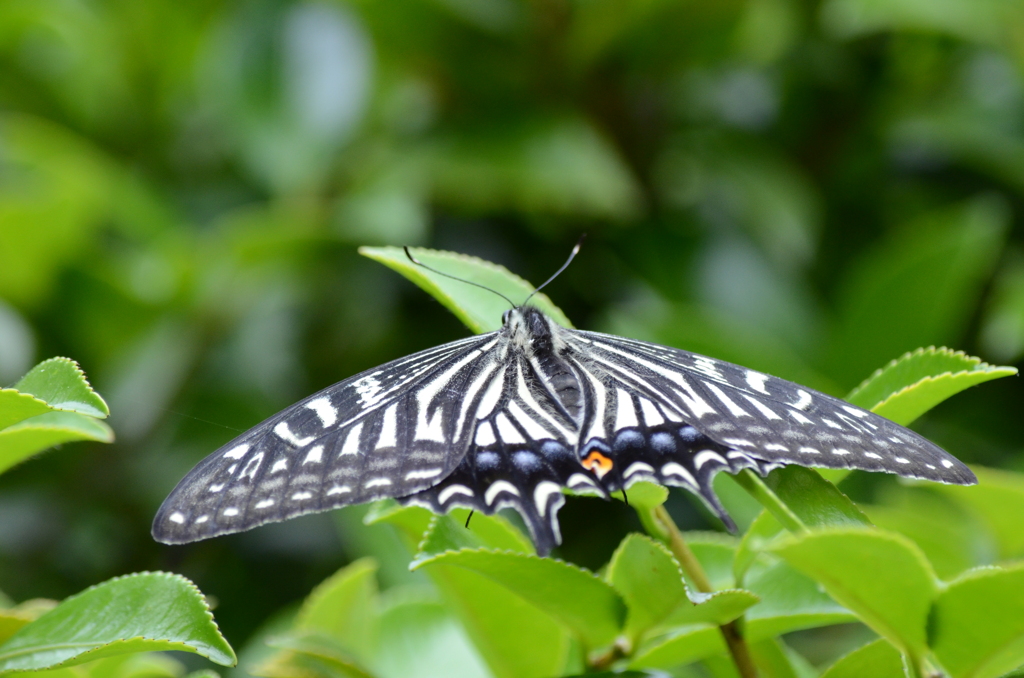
(558, 376)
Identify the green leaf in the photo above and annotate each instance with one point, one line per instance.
(138, 665)
(257, 650)
(756, 539)
(916, 382)
(495, 531)
(816, 501)
(977, 624)
(645, 496)
(998, 500)
(62, 384)
(344, 607)
(801, 498)
(681, 646)
(575, 597)
(953, 539)
(420, 639)
(878, 659)
(309, 655)
(813, 500)
(134, 613)
(765, 496)
(881, 576)
(15, 617)
(715, 551)
(790, 601)
(774, 659)
(649, 580)
(411, 522)
(16, 406)
(449, 533)
(488, 609)
(720, 607)
(38, 433)
(911, 385)
(479, 309)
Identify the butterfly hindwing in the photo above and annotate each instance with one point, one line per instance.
(522, 454)
(387, 432)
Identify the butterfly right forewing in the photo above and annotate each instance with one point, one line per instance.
(767, 420)
(387, 432)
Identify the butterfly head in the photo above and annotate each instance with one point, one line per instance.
(528, 328)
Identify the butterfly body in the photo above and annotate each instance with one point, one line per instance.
(510, 418)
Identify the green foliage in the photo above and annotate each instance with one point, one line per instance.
(877, 658)
(125, 616)
(999, 495)
(911, 385)
(577, 599)
(976, 626)
(134, 613)
(808, 189)
(50, 405)
(893, 600)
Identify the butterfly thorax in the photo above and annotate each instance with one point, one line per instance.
(537, 336)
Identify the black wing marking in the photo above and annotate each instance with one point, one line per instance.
(523, 453)
(646, 439)
(767, 420)
(387, 432)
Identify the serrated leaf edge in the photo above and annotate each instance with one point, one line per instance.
(168, 575)
(978, 365)
(85, 380)
(642, 537)
(25, 395)
(935, 377)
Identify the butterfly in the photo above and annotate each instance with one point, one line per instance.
(513, 417)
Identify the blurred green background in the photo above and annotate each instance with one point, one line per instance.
(806, 188)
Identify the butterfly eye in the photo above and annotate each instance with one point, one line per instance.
(505, 316)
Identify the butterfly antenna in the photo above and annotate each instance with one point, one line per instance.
(468, 282)
(572, 255)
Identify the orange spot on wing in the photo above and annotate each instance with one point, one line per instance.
(598, 463)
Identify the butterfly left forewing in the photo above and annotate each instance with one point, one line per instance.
(386, 432)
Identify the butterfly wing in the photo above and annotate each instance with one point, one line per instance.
(758, 420)
(387, 432)
(522, 454)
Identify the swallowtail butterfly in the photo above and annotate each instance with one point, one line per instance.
(510, 418)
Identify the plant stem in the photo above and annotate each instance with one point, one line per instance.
(692, 567)
(756, 487)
